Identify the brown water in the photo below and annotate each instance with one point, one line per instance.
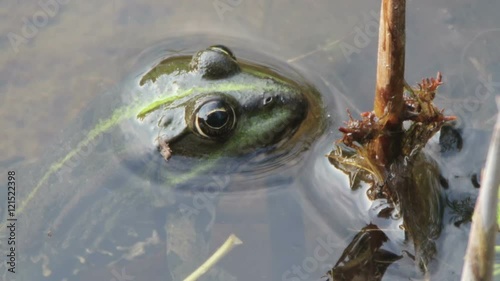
(80, 49)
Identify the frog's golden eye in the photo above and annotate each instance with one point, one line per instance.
(214, 119)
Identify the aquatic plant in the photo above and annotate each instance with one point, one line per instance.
(384, 149)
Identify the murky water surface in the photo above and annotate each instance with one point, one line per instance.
(58, 57)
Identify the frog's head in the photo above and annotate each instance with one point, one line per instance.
(217, 104)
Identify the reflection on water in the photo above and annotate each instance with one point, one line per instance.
(111, 199)
(299, 229)
(363, 259)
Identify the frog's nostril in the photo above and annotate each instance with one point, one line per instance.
(268, 100)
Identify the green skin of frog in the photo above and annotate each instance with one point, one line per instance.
(205, 107)
(216, 108)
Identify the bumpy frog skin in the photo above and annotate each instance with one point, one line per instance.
(206, 106)
(220, 106)
(203, 108)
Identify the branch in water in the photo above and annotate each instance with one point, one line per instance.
(389, 103)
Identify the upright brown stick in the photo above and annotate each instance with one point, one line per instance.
(389, 103)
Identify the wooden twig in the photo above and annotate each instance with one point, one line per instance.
(377, 148)
(389, 103)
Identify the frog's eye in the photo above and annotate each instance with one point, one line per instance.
(216, 62)
(214, 119)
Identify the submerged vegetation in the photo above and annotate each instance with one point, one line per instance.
(384, 150)
(411, 182)
(359, 136)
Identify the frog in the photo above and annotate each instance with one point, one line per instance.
(154, 142)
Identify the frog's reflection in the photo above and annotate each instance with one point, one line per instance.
(363, 258)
